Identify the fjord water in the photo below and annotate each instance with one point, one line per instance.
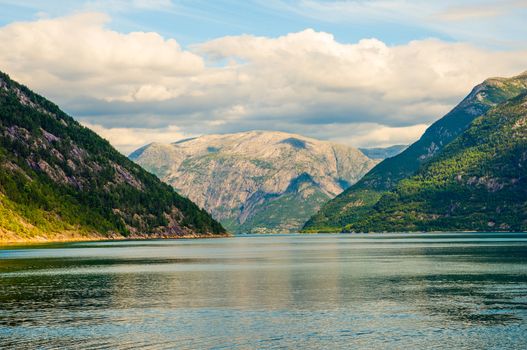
(292, 291)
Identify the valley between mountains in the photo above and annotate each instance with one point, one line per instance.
(61, 181)
(466, 173)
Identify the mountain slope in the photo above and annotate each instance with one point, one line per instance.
(258, 181)
(58, 179)
(478, 182)
(356, 201)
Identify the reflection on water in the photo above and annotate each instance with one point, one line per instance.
(310, 292)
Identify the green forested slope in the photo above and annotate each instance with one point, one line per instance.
(478, 182)
(359, 199)
(59, 179)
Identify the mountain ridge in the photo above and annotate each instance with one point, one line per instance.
(361, 197)
(59, 179)
(478, 182)
(257, 171)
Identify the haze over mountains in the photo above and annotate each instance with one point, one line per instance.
(467, 172)
(60, 180)
(257, 181)
(383, 152)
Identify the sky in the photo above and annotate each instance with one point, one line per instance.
(362, 73)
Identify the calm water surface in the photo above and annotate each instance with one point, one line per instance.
(306, 292)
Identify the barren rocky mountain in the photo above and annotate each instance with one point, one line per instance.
(258, 181)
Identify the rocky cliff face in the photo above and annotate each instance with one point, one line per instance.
(59, 180)
(256, 181)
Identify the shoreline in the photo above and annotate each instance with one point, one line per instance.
(42, 240)
(71, 239)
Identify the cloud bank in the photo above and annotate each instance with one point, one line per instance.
(138, 87)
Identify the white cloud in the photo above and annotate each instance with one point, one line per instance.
(367, 135)
(77, 55)
(398, 83)
(305, 82)
(129, 139)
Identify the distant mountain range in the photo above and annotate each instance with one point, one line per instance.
(257, 181)
(467, 172)
(383, 152)
(59, 180)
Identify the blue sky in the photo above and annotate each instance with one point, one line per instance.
(196, 21)
(364, 73)
(489, 23)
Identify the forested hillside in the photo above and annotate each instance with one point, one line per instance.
(356, 202)
(479, 182)
(59, 179)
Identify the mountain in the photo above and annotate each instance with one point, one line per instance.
(59, 180)
(477, 183)
(257, 181)
(383, 152)
(357, 201)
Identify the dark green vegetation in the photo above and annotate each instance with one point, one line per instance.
(59, 179)
(465, 173)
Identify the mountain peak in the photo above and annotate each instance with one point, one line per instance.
(477, 183)
(258, 180)
(360, 198)
(497, 80)
(249, 135)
